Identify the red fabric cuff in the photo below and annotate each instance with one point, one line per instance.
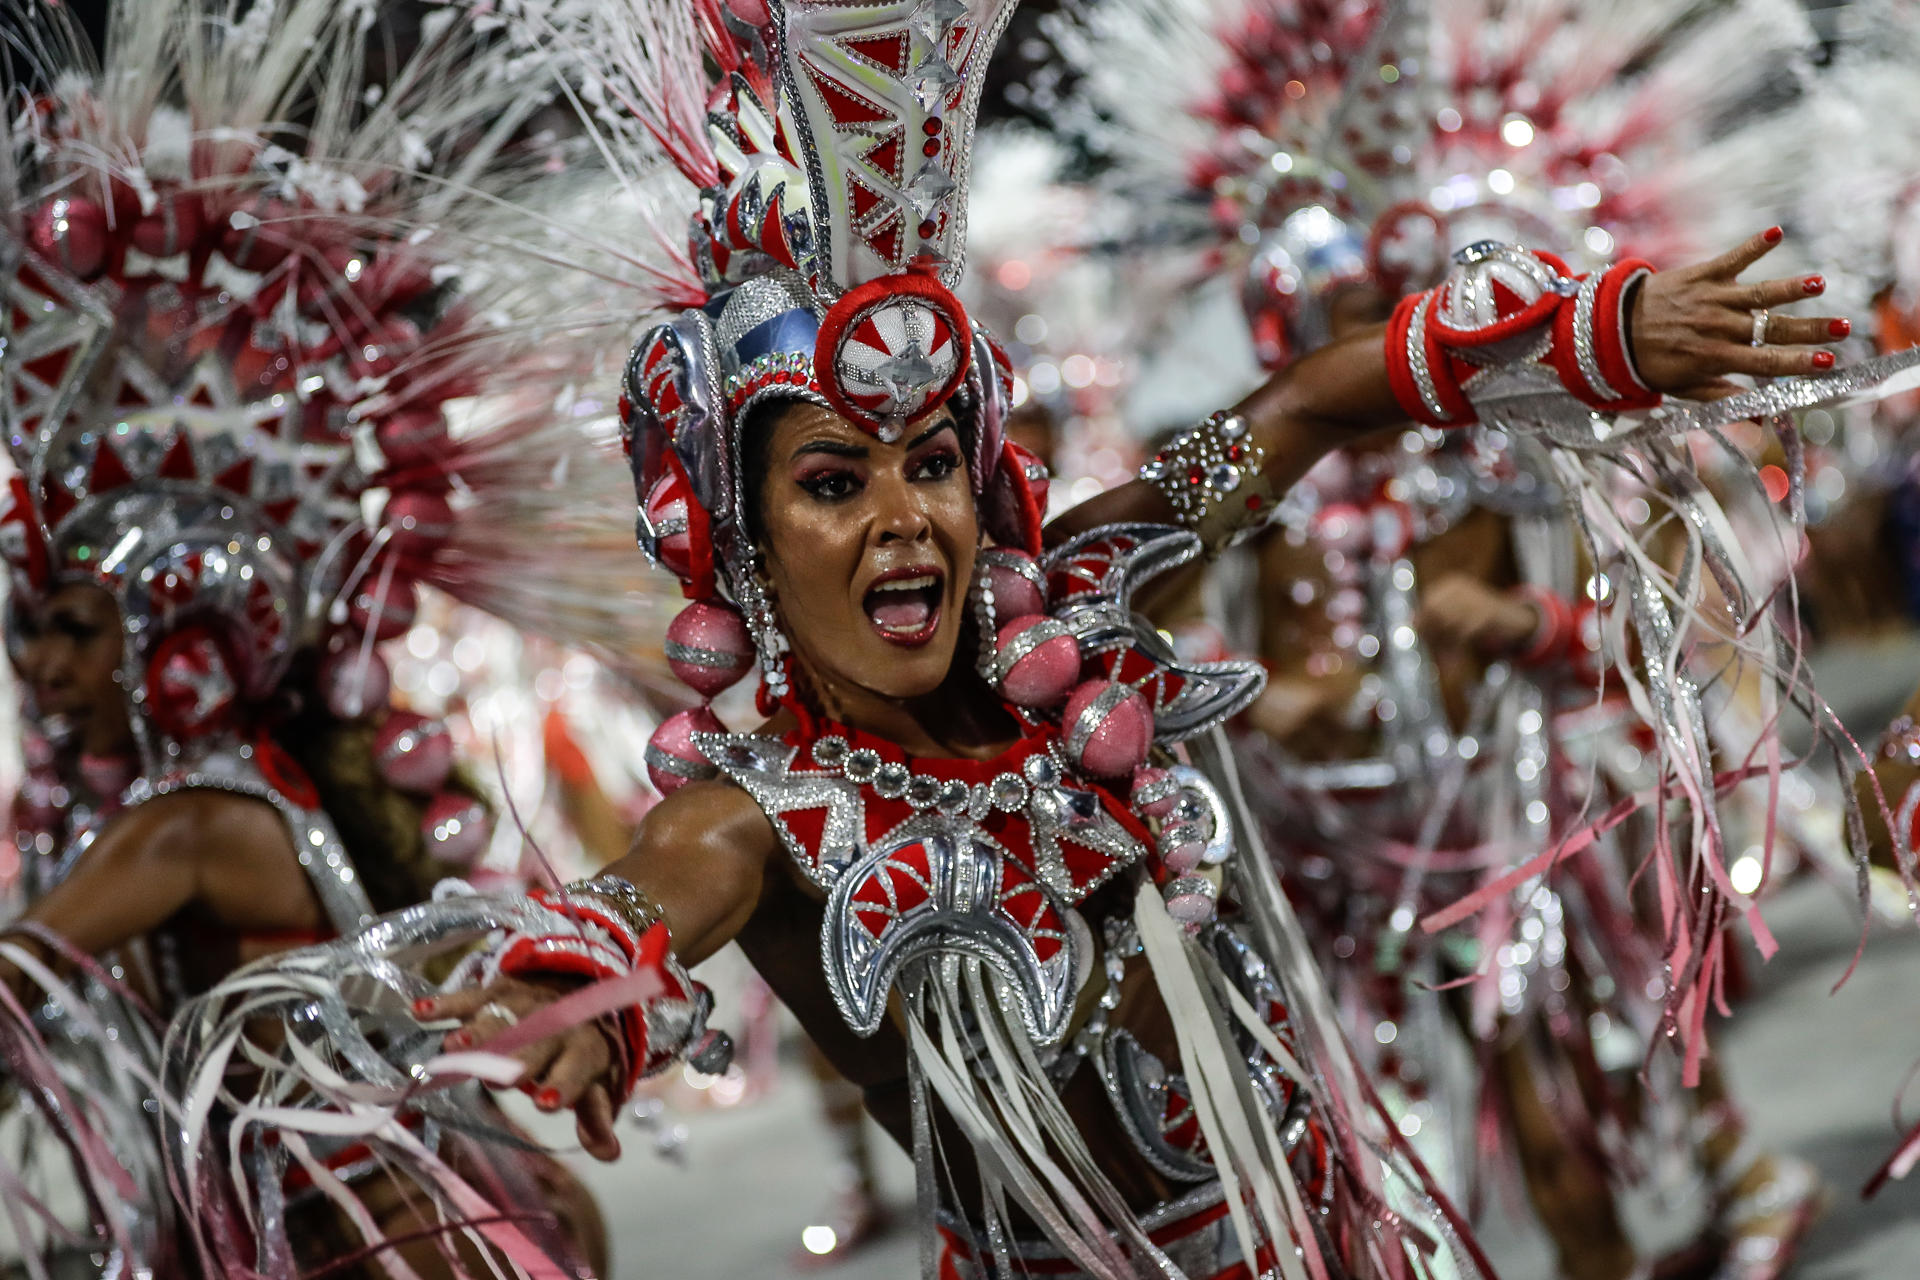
(1441, 376)
(1550, 638)
(1610, 334)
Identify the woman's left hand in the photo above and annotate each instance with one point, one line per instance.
(1694, 325)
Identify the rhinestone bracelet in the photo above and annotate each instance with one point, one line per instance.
(1210, 475)
(627, 901)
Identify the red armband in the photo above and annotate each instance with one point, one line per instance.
(1549, 641)
(603, 928)
(1502, 314)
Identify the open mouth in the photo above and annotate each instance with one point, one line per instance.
(904, 604)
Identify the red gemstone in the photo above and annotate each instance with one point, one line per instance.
(1195, 475)
(931, 147)
(928, 229)
(1235, 452)
(1253, 502)
(931, 127)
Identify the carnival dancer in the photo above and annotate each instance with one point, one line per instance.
(229, 361)
(1435, 713)
(986, 844)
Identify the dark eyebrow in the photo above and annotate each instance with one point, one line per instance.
(945, 424)
(835, 447)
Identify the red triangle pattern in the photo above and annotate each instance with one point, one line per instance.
(889, 50)
(888, 159)
(849, 110)
(108, 471)
(238, 477)
(863, 198)
(807, 827)
(887, 243)
(178, 464)
(1084, 866)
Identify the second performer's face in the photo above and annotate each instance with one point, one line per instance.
(869, 548)
(69, 653)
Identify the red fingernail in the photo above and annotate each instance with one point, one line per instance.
(423, 1006)
(1773, 235)
(1814, 284)
(1823, 359)
(1839, 328)
(457, 1040)
(547, 1099)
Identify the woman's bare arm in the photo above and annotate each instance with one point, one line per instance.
(1690, 328)
(1334, 397)
(702, 855)
(231, 854)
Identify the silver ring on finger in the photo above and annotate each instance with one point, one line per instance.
(1759, 326)
(494, 1009)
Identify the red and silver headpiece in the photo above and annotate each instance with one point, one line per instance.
(828, 241)
(227, 363)
(832, 162)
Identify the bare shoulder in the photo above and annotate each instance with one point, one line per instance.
(194, 820)
(715, 823)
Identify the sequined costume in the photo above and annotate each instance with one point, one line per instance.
(967, 909)
(227, 376)
(1331, 161)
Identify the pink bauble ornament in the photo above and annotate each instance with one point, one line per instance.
(72, 233)
(1036, 661)
(708, 647)
(1108, 728)
(456, 828)
(1341, 526)
(413, 753)
(386, 610)
(420, 521)
(1191, 900)
(672, 758)
(666, 511)
(1019, 588)
(411, 437)
(353, 681)
(173, 227)
(1182, 845)
(1155, 791)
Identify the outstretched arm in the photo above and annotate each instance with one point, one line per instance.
(1689, 328)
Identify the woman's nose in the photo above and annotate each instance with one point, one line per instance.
(902, 517)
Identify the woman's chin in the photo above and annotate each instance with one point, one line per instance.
(901, 671)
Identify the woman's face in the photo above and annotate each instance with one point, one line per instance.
(869, 548)
(68, 653)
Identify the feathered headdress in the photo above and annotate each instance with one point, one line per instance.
(1313, 145)
(234, 342)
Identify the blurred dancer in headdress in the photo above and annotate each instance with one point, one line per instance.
(1437, 713)
(231, 353)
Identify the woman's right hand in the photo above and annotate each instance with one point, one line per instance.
(575, 1069)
